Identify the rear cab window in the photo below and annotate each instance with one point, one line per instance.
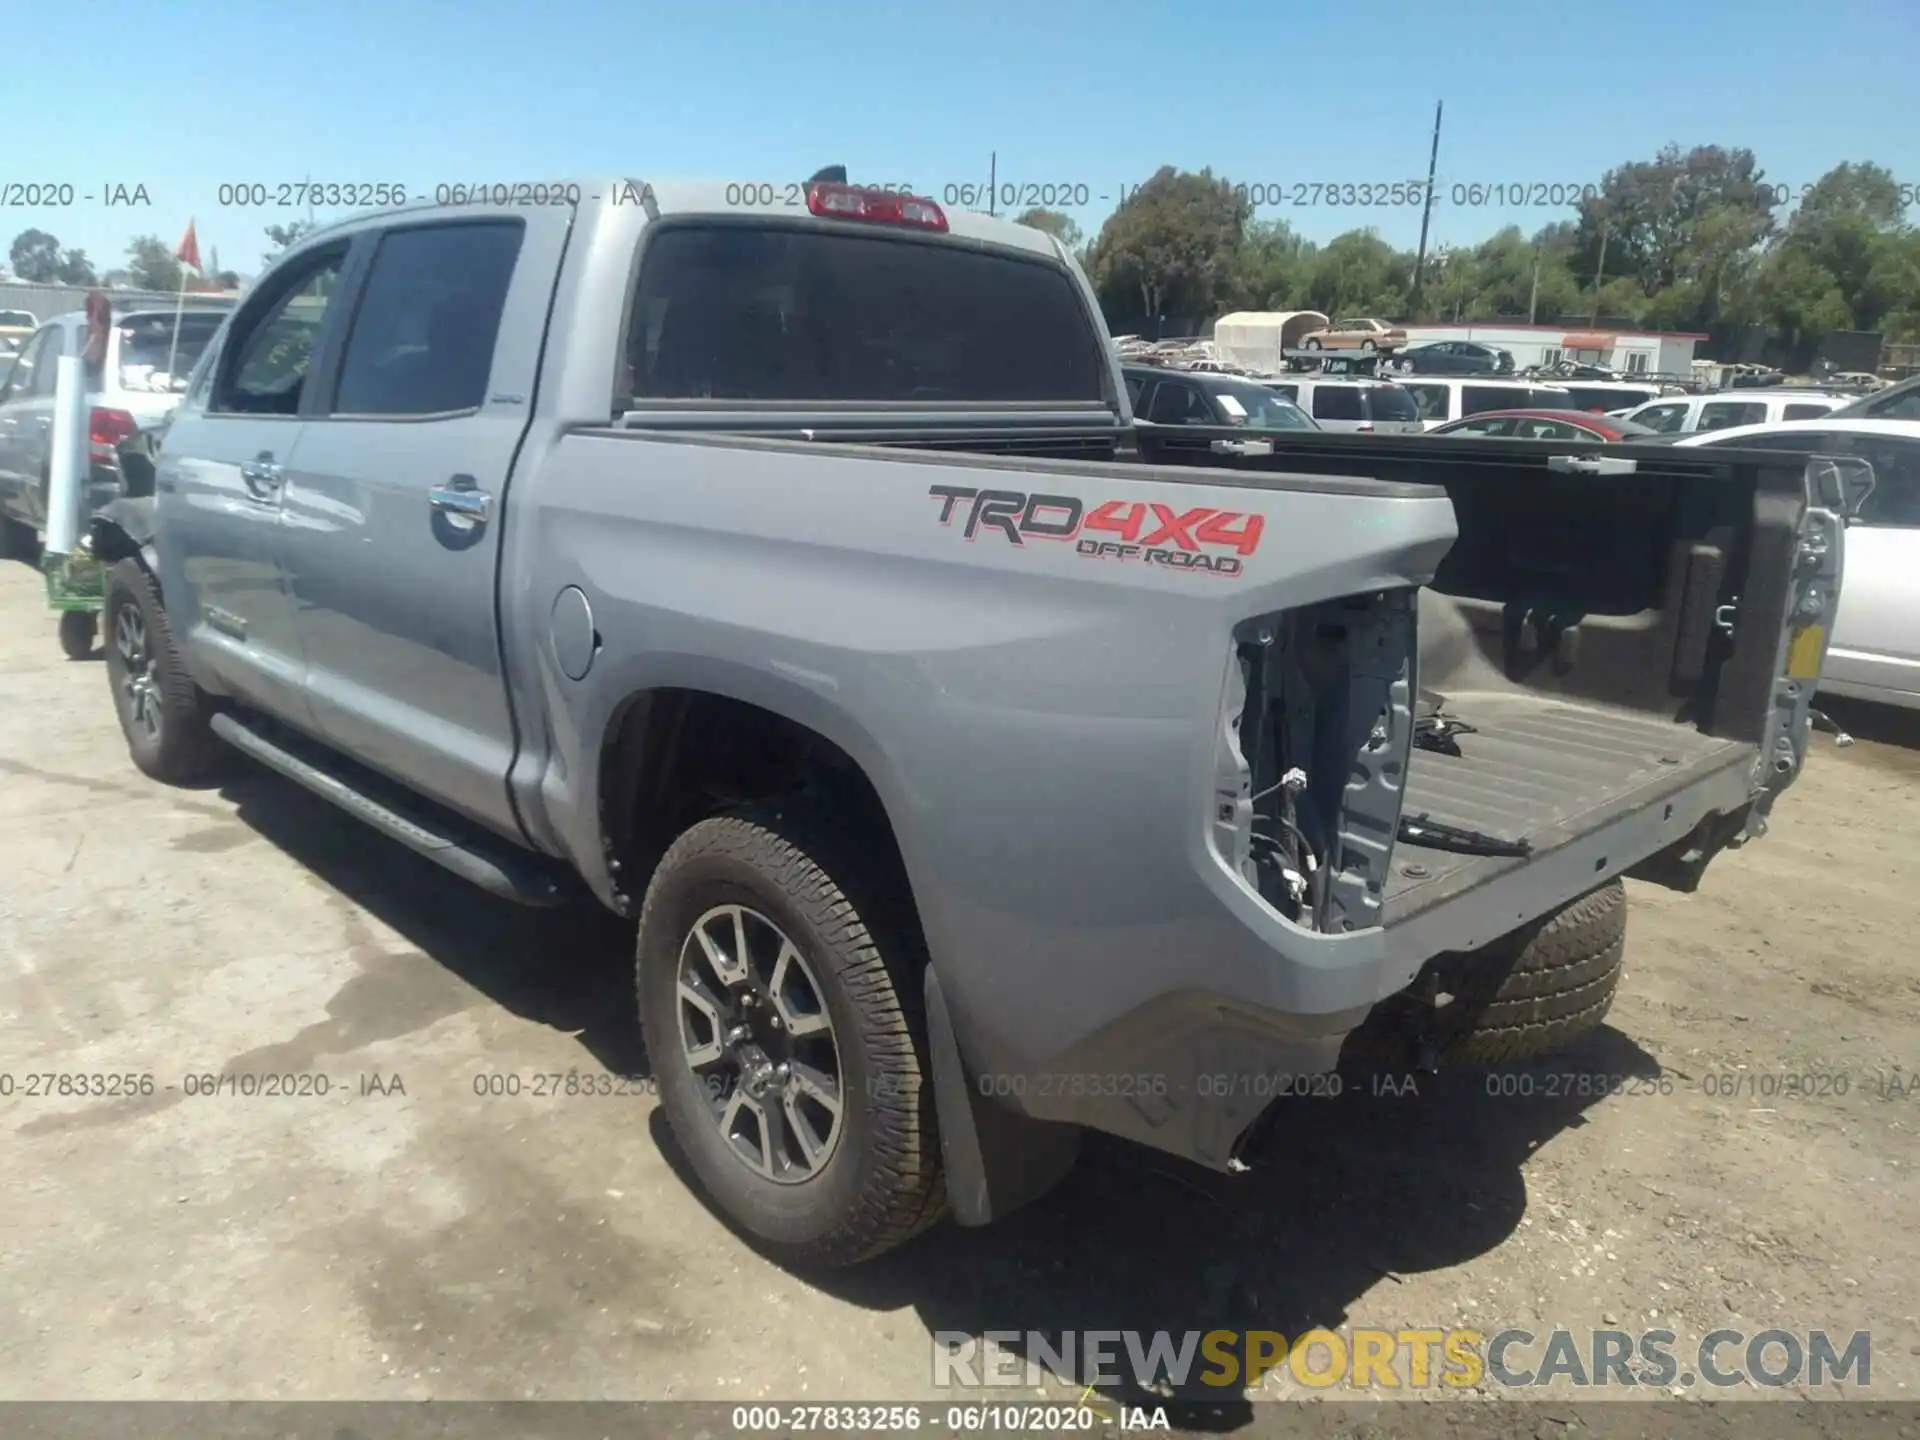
(151, 358)
(763, 311)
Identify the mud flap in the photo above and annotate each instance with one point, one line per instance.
(996, 1160)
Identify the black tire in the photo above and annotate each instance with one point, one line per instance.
(804, 868)
(163, 714)
(78, 630)
(17, 541)
(1312, 345)
(1367, 347)
(1531, 993)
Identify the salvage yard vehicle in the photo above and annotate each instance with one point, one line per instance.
(979, 766)
(1363, 334)
(130, 394)
(1874, 652)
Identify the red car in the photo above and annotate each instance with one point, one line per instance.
(1546, 425)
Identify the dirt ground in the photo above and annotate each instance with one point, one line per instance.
(411, 1240)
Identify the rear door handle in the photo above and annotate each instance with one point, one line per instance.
(462, 496)
(262, 475)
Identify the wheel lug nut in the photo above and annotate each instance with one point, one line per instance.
(739, 1035)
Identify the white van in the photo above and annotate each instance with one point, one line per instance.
(1682, 415)
(1337, 402)
(1441, 398)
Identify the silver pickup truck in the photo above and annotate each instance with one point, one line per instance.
(780, 565)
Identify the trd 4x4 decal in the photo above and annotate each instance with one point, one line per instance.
(1182, 537)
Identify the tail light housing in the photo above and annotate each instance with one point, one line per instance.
(108, 430)
(885, 207)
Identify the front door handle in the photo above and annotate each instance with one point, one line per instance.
(262, 476)
(463, 497)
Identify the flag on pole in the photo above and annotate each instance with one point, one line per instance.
(189, 252)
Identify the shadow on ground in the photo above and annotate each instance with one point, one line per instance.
(1344, 1193)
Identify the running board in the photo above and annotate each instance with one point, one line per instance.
(492, 864)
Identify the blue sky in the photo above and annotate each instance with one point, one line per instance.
(182, 98)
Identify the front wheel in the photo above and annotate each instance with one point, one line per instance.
(164, 715)
(779, 975)
(1367, 347)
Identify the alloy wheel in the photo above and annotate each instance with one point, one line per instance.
(755, 1030)
(139, 671)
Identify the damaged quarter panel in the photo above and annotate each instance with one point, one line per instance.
(1037, 695)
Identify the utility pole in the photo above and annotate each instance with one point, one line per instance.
(1599, 274)
(1533, 299)
(1426, 213)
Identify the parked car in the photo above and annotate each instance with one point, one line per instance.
(1899, 401)
(130, 396)
(1720, 410)
(15, 327)
(1192, 397)
(1440, 399)
(1454, 357)
(1361, 334)
(1875, 650)
(793, 584)
(1547, 425)
(1359, 404)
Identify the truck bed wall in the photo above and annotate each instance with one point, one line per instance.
(1599, 589)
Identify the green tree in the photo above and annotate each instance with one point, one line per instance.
(35, 257)
(76, 269)
(1680, 221)
(1358, 273)
(1269, 269)
(1060, 226)
(150, 264)
(281, 237)
(1171, 246)
(1851, 227)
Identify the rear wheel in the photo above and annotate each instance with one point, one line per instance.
(78, 629)
(779, 974)
(163, 714)
(1531, 993)
(1367, 347)
(1313, 344)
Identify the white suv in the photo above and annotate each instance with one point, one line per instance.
(1378, 407)
(1682, 415)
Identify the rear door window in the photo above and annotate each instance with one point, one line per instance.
(1475, 398)
(1337, 402)
(424, 330)
(1719, 414)
(1663, 419)
(1806, 411)
(759, 312)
